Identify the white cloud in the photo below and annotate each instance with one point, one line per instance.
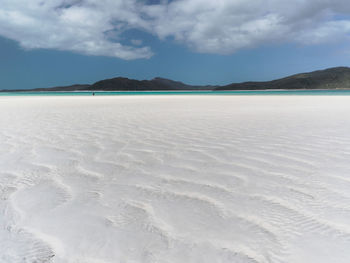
(78, 26)
(225, 26)
(96, 27)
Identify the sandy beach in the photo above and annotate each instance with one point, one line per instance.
(137, 179)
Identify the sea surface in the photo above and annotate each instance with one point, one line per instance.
(236, 92)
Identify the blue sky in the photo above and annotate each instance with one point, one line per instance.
(194, 41)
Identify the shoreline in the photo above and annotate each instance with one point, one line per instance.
(196, 92)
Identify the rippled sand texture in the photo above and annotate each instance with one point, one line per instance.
(175, 179)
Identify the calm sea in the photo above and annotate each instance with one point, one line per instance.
(240, 92)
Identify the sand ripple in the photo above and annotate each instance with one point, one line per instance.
(175, 179)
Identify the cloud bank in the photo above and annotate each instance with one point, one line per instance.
(220, 27)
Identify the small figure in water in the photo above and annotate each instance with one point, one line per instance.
(93, 94)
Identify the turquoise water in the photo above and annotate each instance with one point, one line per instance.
(239, 92)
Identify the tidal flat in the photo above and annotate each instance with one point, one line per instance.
(110, 179)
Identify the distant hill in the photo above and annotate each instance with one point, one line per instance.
(75, 87)
(125, 84)
(332, 78)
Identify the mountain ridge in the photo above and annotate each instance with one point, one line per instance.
(331, 78)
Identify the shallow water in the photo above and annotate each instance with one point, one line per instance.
(233, 92)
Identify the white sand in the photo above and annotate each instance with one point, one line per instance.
(175, 179)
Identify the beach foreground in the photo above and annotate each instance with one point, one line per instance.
(175, 179)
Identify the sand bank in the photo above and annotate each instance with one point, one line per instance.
(175, 179)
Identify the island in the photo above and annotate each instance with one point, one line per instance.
(332, 78)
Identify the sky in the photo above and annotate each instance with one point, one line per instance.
(63, 42)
